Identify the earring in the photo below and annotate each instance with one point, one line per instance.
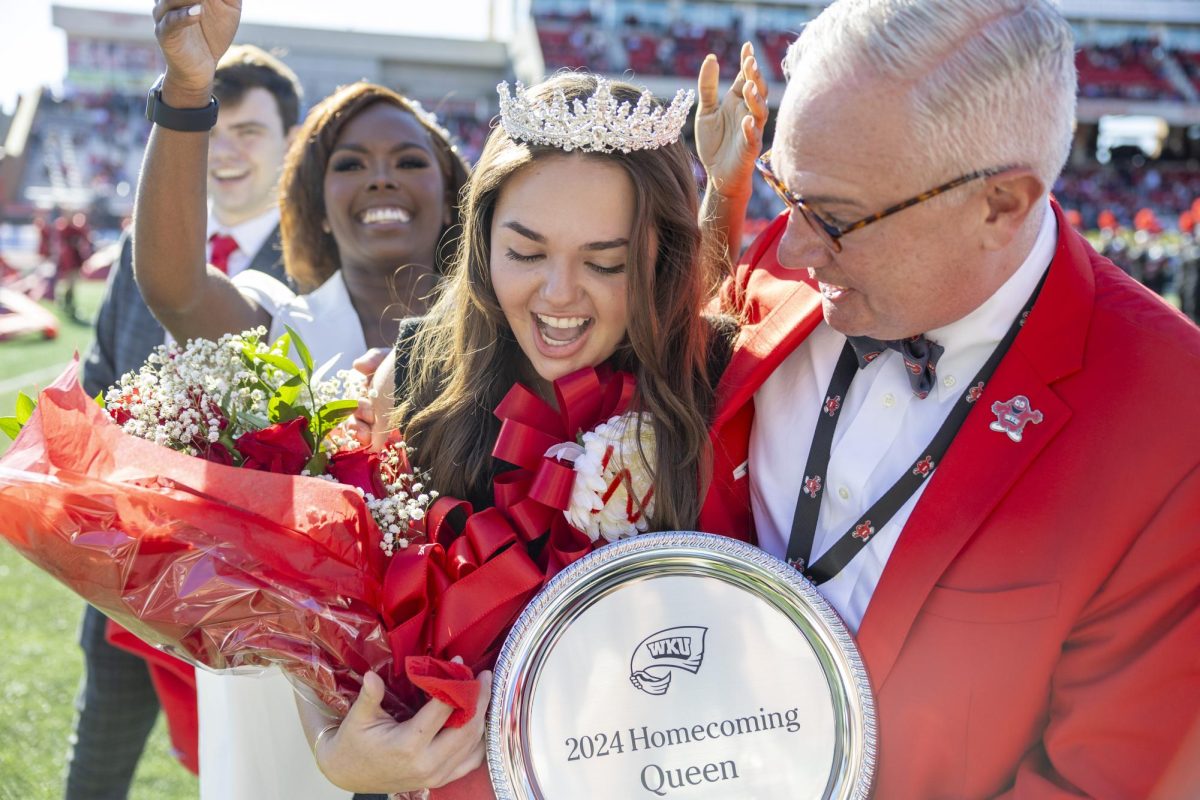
(325, 226)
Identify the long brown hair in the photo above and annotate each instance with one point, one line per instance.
(465, 356)
(309, 254)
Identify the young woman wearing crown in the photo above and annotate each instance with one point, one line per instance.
(581, 248)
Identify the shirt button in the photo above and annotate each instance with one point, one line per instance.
(889, 400)
(843, 493)
(949, 381)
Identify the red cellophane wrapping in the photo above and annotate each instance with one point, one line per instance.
(229, 567)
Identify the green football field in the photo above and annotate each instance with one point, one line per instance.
(40, 660)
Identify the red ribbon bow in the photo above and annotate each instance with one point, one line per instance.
(533, 496)
(458, 600)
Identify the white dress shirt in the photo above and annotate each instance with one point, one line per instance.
(250, 236)
(324, 318)
(882, 429)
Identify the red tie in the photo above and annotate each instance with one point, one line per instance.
(223, 246)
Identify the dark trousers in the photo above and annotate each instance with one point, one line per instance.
(115, 710)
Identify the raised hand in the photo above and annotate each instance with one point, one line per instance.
(369, 424)
(193, 35)
(729, 129)
(371, 752)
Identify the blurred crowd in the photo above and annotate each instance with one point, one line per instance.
(647, 44)
(1166, 261)
(1146, 220)
(90, 141)
(1132, 70)
(1143, 215)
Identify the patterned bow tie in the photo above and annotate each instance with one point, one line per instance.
(920, 358)
(223, 246)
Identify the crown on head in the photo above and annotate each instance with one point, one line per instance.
(601, 125)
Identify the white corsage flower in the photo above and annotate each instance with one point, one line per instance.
(613, 492)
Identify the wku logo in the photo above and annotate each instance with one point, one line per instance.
(655, 657)
(675, 646)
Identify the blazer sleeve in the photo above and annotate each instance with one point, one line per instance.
(404, 347)
(1125, 705)
(100, 363)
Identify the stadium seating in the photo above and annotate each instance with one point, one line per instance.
(774, 48)
(1132, 70)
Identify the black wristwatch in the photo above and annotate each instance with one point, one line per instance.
(189, 120)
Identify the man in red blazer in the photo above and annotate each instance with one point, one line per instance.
(1005, 511)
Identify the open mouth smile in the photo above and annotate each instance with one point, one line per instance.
(561, 331)
(385, 215)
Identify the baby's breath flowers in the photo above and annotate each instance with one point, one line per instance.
(186, 396)
(405, 500)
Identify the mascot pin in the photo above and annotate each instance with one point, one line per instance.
(1013, 416)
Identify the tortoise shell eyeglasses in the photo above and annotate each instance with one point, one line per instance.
(832, 234)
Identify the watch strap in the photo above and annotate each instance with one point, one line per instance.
(187, 120)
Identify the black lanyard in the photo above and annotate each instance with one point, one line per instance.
(812, 487)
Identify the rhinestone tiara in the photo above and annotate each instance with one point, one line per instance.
(602, 125)
(431, 121)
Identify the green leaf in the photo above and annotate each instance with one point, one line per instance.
(25, 407)
(310, 437)
(301, 350)
(281, 362)
(283, 344)
(327, 411)
(336, 415)
(226, 438)
(10, 427)
(252, 421)
(317, 464)
(328, 416)
(248, 358)
(282, 411)
(289, 391)
(100, 400)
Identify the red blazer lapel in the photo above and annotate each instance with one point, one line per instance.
(777, 309)
(982, 464)
(780, 308)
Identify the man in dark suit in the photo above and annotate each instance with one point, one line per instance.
(259, 100)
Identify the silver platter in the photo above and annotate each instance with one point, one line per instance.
(685, 665)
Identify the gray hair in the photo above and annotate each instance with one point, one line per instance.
(992, 81)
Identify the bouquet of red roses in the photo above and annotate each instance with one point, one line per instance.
(215, 510)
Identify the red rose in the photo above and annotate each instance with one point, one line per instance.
(218, 454)
(359, 467)
(277, 448)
